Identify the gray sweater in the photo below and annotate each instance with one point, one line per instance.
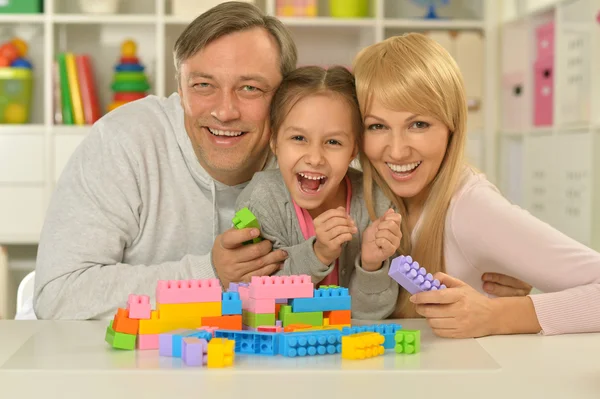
(373, 294)
(132, 206)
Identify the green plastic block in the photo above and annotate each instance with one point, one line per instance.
(244, 218)
(288, 317)
(119, 340)
(130, 86)
(255, 320)
(130, 77)
(408, 341)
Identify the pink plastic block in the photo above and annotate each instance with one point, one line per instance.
(277, 287)
(244, 294)
(259, 306)
(139, 307)
(543, 96)
(210, 329)
(513, 101)
(188, 291)
(147, 341)
(193, 351)
(544, 37)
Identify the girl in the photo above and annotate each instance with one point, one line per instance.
(312, 206)
(454, 220)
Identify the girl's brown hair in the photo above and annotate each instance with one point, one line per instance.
(314, 80)
(414, 73)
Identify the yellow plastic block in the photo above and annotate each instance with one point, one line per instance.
(187, 311)
(362, 345)
(156, 325)
(221, 352)
(325, 321)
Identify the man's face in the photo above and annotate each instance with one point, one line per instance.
(226, 91)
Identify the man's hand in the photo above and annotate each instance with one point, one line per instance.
(332, 228)
(235, 262)
(504, 286)
(380, 240)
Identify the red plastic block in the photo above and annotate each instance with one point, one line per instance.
(232, 322)
(337, 317)
(279, 287)
(210, 329)
(188, 291)
(147, 342)
(297, 327)
(139, 307)
(271, 329)
(259, 306)
(123, 324)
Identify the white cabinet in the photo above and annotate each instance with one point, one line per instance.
(539, 195)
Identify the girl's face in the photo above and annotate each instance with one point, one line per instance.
(315, 145)
(406, 149)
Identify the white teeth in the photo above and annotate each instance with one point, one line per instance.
(312, 177)
(403, 168)
(224, 133)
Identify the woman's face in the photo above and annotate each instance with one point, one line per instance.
(406, 149)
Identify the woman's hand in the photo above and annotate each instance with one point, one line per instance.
(458, 311)
(380, 240)
(502, 285)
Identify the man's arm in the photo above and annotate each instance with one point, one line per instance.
(93, 217)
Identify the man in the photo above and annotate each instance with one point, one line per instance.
(149, 194)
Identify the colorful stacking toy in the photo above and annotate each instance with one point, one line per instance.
(130, 82)
(15, 82)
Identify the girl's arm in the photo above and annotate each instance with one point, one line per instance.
(496, 236)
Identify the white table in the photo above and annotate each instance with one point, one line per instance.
(62, 359)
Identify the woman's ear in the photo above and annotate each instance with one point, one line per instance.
(273, 146)
(355, 151)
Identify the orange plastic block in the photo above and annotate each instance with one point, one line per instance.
(232, 322)
(277, 309)
(297, 327)
(338, 316)
(362, 345)
(221, 352)
(123, 324)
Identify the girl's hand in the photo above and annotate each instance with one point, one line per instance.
(380, 240)
(332, 228)
(458, 311)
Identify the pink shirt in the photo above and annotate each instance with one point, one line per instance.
(486, 233)
(308, 231)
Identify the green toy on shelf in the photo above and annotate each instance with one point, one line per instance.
(130, 82)
(16, 82)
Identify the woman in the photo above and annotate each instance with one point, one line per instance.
(454, 221)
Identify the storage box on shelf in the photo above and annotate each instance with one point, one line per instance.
(21, 6)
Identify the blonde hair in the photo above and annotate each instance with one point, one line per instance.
(230, 17)
(414, 73)
(313, 80)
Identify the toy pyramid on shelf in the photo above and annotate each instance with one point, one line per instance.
(130, 82)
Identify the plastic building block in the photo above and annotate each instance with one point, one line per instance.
(188, 291)
(408, 341)
(362, 345)
(189, 311)
(288, 317)
(274, 287)
(193, 352)
(220, 352)
(165, 342)
(254, 320)
(119, 340)
(251, 342)
(231, 322)
(323, 300)
(411, 276)
(281, 301)
(338, 317)
(123, 324)
(233, 287)
(259, 306)
(278, 323)
(158, 326)
(177, 344)
(244, 294)
(139, 306)
(231, 303)
(326, 342)
(244, 218)
(387, 330)
(210, 329)
(148, 342)
(271, 329)
(297, 327)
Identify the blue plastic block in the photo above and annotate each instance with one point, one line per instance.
(324, 299)
(231, 303)
(310, 343)
(387, 330)
(178, 339)
(252, 343)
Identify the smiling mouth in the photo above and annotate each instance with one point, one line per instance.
(225, 133)
(311, 183)
(405, 169)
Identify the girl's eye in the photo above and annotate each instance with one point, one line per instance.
(375, 126)
(420, 125)
(298, 138)
(333, 142)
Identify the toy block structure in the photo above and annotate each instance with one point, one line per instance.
(139, 306)
(252, 343)
(410, 275)
(387, 330)
(221, 352)
(231, 303)
(194, 351)
(324, 299)
(244, 218)
(287, 316)
(188, 291)
(408, 341)
(311, 343)
(279, 287)
(362, 345)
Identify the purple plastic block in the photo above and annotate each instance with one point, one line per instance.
(193, 351)
(233, 287)
(281, 301)
(413, 277)
(279, 323)
(248, 328)
(165, 342)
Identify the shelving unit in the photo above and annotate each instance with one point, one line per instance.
(33, 156)
(553, 170)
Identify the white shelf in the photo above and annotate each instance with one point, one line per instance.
(66, 130)
(32, 239)
(6, 129)
(22, 18)
(104, 19)
(425, 24)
